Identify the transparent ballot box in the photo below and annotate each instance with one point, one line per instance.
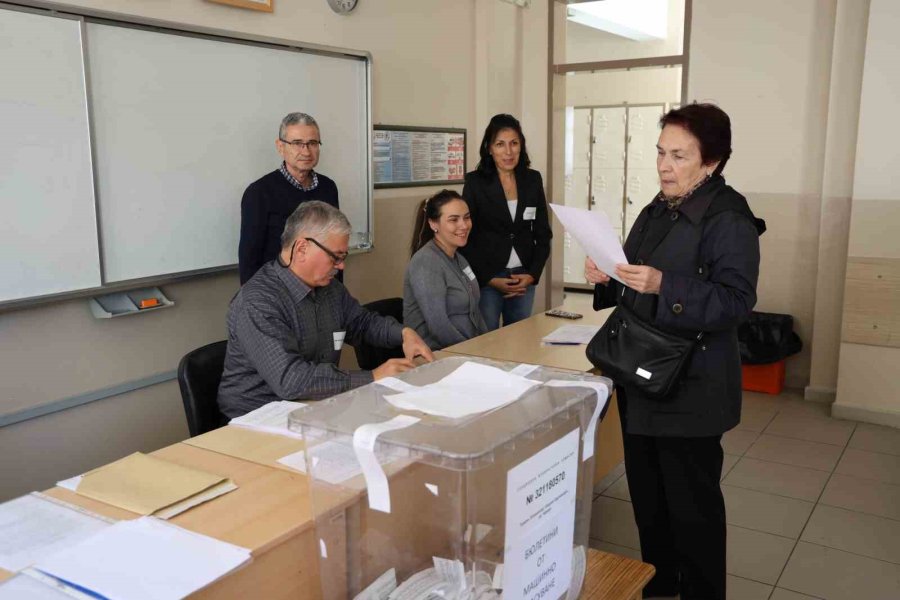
(463, 478)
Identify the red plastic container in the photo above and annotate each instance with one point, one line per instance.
(768, 379)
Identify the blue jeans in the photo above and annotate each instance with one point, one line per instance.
(493, 304)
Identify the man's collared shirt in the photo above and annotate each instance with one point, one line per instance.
(282, 343)
(296, 182)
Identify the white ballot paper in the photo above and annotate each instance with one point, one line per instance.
(270, 418)
(333, 462)
(602, 391)
(540, 522)
(596, 236)
(364, 439)
(144, 559)
(33, 526)
(571, 335)
(472, 388)
(25, 587)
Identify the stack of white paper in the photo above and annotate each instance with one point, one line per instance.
(571, 335)
(470, 389)
(25, 587)
(333, 462)
(33, 527)
(270, 418)
(144, 559)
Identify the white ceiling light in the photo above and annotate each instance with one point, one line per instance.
(639, 20)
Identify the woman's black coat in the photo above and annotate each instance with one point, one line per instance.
(708, 252)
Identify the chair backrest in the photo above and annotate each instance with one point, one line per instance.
(199, 373)
(370, 357)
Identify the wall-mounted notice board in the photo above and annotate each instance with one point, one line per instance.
(126, 148)
(415, 156)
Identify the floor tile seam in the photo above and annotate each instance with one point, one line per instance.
(778, 462)
(875, 452)
(771, 585)
(881, 560)
(859, 512)
(744, 487)
(786, 562)
(784, 537)
(740, 487)
(794, 437)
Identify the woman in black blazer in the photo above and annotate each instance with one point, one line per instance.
(510, 238)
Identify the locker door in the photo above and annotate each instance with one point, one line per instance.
(577, 182)
(608, 163)
(643, 180)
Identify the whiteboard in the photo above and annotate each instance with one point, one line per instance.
(182, 124)
(48, 233)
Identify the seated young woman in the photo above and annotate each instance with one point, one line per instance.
(440, 291)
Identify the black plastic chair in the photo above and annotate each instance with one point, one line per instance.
(371, 357)
(199, 373)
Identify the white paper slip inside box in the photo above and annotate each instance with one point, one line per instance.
(271, 418)
(33, 526)
(571, 335)
(167, 561)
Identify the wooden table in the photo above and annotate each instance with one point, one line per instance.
(521, 342)
(614, 576)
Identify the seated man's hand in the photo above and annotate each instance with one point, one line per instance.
(393, 366)
(414, 346)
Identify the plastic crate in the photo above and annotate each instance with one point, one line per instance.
(768, 379)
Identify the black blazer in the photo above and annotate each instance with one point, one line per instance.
(494, 234)
(708, 252)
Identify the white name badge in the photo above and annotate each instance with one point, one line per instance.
(469, 273)
(529, 213)
(338, 339)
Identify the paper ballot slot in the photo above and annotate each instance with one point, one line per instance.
(448, 473)
(151, 486)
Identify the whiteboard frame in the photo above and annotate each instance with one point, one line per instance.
(104, 17)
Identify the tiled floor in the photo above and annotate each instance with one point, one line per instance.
(813, 505)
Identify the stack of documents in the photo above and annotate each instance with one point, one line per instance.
(270, 418)
(149, 486)
(144, 559)
(571, 335)
(472, 388)
(35, 526)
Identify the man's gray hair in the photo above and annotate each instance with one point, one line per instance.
(314, 219)
(295, 118)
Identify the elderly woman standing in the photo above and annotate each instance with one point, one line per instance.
(510, 239)
(694, 261)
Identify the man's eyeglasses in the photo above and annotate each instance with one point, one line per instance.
(298, 144)
(336, 258)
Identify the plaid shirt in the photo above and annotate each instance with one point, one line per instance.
(281, 342)
(295, 182)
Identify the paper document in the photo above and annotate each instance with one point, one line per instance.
(364, 439)
(247, 444)
(33, 526)
(271, 418)
(571, 335)
(590, 432)
(595, 234)
(332, 461)
(145, 559)
(26, 587)
(472, 388)
(148, 485)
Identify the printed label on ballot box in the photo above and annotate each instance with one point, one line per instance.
(540, 522)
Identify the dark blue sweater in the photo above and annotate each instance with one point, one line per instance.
(265, 207)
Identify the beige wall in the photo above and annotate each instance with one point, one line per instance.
(768, 65)
(434, 63)
(868, 387)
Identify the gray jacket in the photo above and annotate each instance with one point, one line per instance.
(440, 298)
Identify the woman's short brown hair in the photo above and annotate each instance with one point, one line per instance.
(710, 125)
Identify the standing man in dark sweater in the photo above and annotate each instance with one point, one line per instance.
(269, 201)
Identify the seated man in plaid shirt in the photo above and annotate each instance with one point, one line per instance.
(287, 324)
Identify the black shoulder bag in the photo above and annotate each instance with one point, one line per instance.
(634, 353)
